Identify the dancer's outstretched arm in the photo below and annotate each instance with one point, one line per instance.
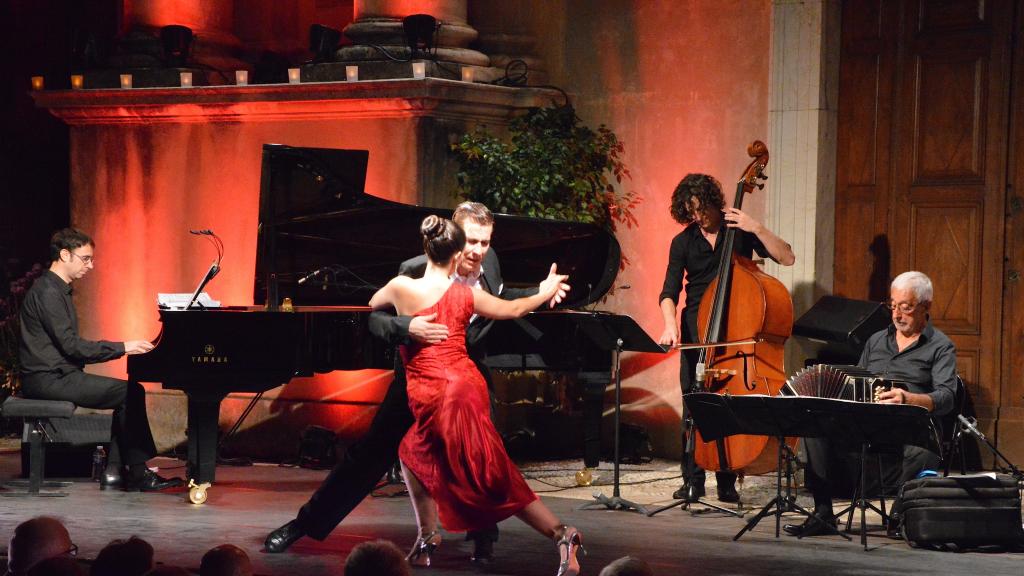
(490, 306)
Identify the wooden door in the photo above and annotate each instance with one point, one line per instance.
(1011, 398)
(923, 123)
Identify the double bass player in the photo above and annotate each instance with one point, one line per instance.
(699, 205)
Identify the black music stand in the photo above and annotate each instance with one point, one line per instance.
(849, 423)
(617, 334)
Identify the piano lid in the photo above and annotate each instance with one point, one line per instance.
(315, 215)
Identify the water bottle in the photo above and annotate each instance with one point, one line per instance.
(99, 463)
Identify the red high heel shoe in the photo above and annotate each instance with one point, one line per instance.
(423, 549)
(569, 544)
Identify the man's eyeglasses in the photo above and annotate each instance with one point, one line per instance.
(85, 259)
(903, 307)
(73, 551)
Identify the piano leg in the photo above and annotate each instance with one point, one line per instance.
(593, 385)
(203, 420)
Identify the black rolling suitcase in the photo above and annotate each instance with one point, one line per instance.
(961, 511)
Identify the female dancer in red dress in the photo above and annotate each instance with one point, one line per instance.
(453, 459)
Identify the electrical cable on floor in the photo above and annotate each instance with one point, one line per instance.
(563, 488)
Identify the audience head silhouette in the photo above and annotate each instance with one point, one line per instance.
(131, 557)
(36, 540)
(442, 239)
(627, 566)
(377, 558)
(225, 560)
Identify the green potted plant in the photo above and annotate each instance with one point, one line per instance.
(550, 166)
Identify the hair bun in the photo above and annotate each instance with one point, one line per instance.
(432, 227)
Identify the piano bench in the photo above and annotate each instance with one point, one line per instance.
(36, 414)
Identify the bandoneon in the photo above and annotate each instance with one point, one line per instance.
(843, 382)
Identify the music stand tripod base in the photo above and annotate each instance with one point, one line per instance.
(782, 504)
(613, 503)
(686, 503)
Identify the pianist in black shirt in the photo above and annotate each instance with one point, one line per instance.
(368, 459)
(699, 205)
(912, 350)
(53, 357)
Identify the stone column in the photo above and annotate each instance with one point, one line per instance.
(505, 35)
(802, 141)
(379, 22)
(212, 23)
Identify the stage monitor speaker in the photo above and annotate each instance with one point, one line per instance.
(844, 325)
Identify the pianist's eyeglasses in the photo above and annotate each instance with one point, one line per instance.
(85, 259)
(903, 307)
(73, 551)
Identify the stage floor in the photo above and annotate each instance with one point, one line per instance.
(246, 503)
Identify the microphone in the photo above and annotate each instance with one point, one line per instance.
(311, 275)
(969, 425)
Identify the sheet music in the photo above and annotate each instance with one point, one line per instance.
(180, 300)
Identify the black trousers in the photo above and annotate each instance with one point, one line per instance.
(363, 464)
(692, 473)
(131, 440)
(816, 473)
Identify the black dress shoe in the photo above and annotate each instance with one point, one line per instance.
(483, 550)
(281, 539)
(728, 494)
(689, 492)
(152, 482)
(814, 526)
(111, 480)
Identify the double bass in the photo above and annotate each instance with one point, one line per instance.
(751, 314)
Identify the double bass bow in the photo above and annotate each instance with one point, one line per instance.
(749, 315)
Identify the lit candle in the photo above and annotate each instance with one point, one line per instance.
(77, 81)
(37, 82)
(467, 74)
(293, 76)
(126, 81)
(352, 73)
(186, 79)
(419, 69)
(241, 77)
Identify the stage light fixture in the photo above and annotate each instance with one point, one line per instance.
(85, 50)
(177, 44)
(323, 41)
(419, 33)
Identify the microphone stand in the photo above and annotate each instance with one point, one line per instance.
(218, 244)
(969, 426)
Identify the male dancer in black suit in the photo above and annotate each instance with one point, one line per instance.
(373, 455)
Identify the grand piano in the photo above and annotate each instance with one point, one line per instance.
(326, 245)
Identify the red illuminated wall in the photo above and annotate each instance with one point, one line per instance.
(685, 87)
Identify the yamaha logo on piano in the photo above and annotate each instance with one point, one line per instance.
(209, 356)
